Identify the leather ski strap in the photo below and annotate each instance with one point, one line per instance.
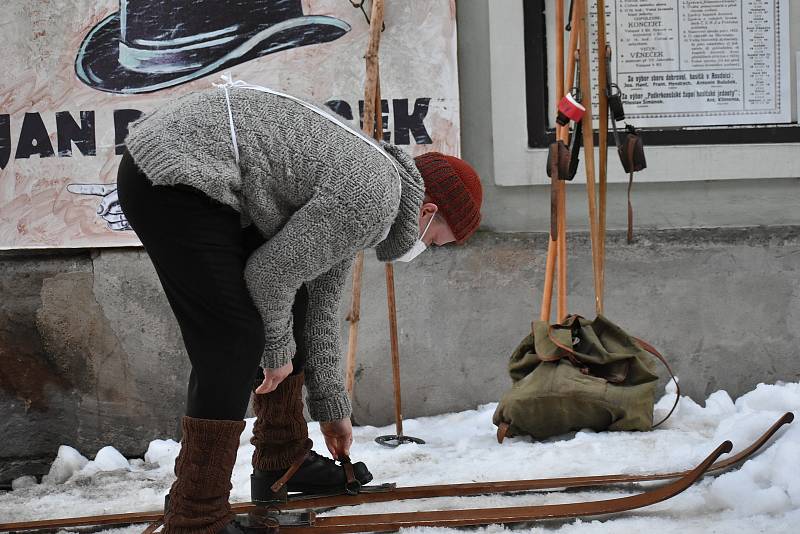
(554, 191)
(292, 469)
(631, 147)
(348, 469)
(575, 149)
(351, 486)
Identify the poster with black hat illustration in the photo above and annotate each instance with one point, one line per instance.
(77, 72)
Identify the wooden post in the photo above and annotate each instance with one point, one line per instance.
(555, 200)
(370, 92)
(353, 318)
(561, 253)
(602, 99)
(588, 141)
(556, 249)
(549, 270)
(390, 299)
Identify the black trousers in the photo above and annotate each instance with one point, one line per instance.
(199, 251)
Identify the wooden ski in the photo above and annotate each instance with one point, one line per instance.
(486, 516)
(375, 494)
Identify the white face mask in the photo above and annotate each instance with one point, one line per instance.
(419, 246)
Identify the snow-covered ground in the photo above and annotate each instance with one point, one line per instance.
(762, 496)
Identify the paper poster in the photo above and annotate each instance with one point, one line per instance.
(77, 72)
(699, 63)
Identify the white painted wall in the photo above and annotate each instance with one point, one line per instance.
(714, 186)
(516, 164)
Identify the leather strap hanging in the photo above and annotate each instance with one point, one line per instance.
(652, 350)
(552, 172)
(631, 153)
(630, 148)
(575, 149)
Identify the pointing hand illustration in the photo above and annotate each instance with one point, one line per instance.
(109, 208)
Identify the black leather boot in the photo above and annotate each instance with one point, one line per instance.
(280, 436)
(315, 475)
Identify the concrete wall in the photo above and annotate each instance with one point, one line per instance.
(90, 354)
(720, 305)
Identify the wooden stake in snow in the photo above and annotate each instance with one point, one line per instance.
(371, 90)
(588, 145)
(557, 245)
(373, 127)
(602, 82)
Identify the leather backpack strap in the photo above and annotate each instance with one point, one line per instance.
(630, 149)
(572, 356)
(619, 373)
(652, 350)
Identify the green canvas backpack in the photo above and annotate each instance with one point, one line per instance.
(579, 374)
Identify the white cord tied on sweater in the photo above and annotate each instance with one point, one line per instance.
(229, 82)
(228, 79)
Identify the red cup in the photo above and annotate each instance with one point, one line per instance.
(569, 109)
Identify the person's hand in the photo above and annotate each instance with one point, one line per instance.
(109, 208)
(273, 377)
(338, 437)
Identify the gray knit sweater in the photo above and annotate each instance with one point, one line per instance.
(318, 194)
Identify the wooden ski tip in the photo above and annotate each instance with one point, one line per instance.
(787, 418)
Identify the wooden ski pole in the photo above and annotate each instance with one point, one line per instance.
(562, 133)
(376, 23)
(353, 317)
(573, 59)
(391, 303)
(557, 247)
(549, 271)
(559, 58)
(395, 344)
(555, 199)
(370, 91)
(561, 255)
(602, 99)
(588, 141)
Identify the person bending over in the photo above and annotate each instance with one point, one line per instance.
(251, 205)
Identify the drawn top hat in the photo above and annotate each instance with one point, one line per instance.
(149, 45)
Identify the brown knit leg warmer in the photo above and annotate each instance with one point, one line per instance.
(198, 499)
(280, 432)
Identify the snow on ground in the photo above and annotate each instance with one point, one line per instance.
(762, 496)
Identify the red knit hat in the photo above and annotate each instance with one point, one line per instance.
(454, 186)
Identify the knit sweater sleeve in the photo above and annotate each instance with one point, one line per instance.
(327, 398)
(331, 226)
